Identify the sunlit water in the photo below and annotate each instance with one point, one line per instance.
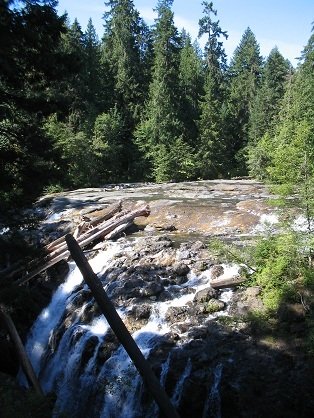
(114, 388)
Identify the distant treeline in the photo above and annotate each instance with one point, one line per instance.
(144, 103)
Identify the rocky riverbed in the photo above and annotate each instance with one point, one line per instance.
(230, 208)
(210, 358)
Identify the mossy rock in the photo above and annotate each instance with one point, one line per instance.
(214, 305)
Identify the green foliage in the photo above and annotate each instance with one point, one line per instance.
(53, 188)
(108, 147)
(278, 263)
(267, 102)
(211, 145)
(159, 135)
(244, 74)
(74, 148)
(191, 78)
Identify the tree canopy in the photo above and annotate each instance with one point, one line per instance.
(143, 102)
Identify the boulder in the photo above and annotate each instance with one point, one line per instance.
(214, 305)
(205, 295)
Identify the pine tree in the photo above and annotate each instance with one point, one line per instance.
(267, 102)
(31, 70)
(245, 74)
(288, 149)
(123, 56)
(276, 76)
(211, 148)
(92, 72)
(160, 133)
(191, 76)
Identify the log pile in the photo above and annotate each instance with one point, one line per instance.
(106, 226)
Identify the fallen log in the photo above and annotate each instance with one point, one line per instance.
(109, 213)
(99, 232)
(228, 282)
(24, 360)
(117, 231)
(120, 330)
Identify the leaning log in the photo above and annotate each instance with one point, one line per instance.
(228, 282)
(97, 233)
(120, 330)
(24, 360)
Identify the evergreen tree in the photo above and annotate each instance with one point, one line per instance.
(245, 74)
(267, 102)
(191, 77)
(31, 68)
(123, 56)
(160, 134)
(92, 72)
(211, 148)
(288, 149)
(276, 75)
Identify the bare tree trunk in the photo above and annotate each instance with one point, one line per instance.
(25, 363)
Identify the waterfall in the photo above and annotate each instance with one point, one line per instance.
(212, 408)
(176, 397)
(76, 356)
(50, 317)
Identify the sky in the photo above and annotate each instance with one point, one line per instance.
(286, 24)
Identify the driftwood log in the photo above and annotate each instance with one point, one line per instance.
(84, 226)
(228, 282)
(101, 231)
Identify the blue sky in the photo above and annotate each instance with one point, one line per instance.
(285, 23)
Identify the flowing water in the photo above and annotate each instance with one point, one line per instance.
(65, 347)
(71, 346)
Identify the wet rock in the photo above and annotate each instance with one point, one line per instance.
(153, 244)
(214, 305)
(88, 350)
(176, 313)
(183, 255)
(217, 271)
(133, 282)
(105, 351)
(246, 301)
(165, 295)
(202, 265)
(180, 269)
(153, 289)
(205, 295)
(82, 297)
(142, 311)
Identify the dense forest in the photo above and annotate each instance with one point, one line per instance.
(144, 103)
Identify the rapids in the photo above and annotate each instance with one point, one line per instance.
(67, 342)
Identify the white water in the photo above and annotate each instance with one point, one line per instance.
(213, 404)
(176, 397)
(50, 317)
(115, 388)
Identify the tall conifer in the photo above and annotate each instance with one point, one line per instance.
(160, 134)
(245, 74)
(211, 147)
